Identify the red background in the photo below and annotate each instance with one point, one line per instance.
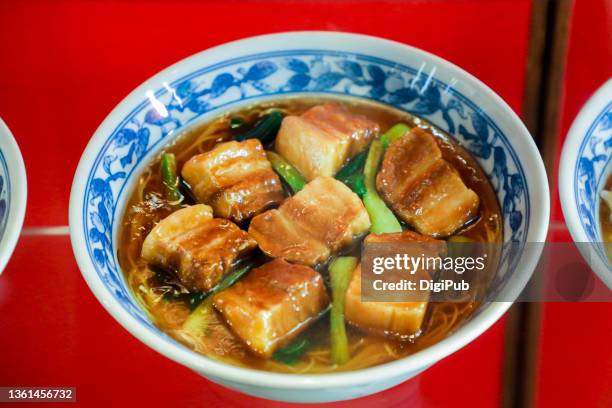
(575, 365)
(65, 64)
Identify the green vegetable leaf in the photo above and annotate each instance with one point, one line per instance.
(288, 173)
(293, 352)
(352, 167)
(236, 122)
(393, 134)
(340, 271)
(383, 219)
(170, 178)
(265, 130)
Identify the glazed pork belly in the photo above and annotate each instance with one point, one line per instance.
(323, 139)
(278, 236)
(423, 189)
(396, 319)
(274, 303)
(235, 178)
(309, 227)
(199, 248)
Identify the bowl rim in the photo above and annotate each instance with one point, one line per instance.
(536, 232)
(18, 186)
(596, 104)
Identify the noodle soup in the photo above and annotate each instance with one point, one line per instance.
(168, 285)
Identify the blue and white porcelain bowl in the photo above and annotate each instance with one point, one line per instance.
(586, 163)
(242, 72)
(13, 192)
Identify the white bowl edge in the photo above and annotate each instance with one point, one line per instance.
(567, 167)
(19, 193)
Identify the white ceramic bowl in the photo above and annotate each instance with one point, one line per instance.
(586, 163)
(270, 66)
(13, 193)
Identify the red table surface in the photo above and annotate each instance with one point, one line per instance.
(65, 64)
(575, 365)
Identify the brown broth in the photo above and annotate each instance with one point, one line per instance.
(146, 207)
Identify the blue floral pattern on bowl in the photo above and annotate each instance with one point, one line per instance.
(594, 162)
(166, 111)
(5, 191)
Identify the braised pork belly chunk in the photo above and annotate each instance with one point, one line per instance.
(199, 248)
(328, 211)
(272, 304)
(396, 319)
(423, 189)
(323, 138)
(429, 245)
(313, 224)
(278, 236)
(235, 178)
